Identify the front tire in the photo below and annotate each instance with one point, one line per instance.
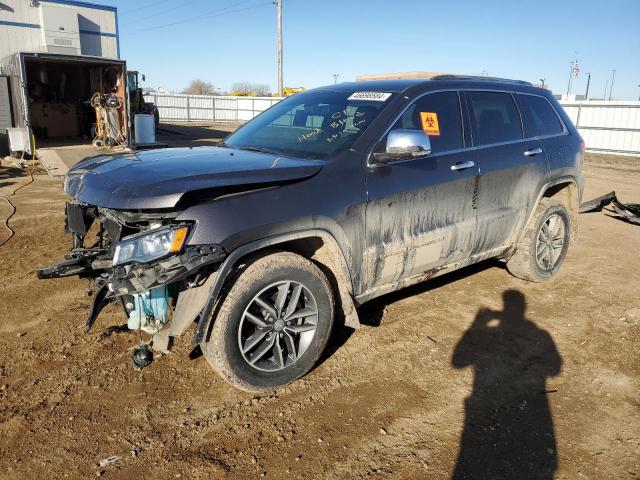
(273, 324)
(544, 245)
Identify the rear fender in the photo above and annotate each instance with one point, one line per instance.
(572, 200)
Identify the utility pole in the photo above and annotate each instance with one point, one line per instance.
(606, 85)
(335, 78)
(279, 5)
(586, 93)
(613, 76)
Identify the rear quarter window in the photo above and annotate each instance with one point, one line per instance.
(540, 117)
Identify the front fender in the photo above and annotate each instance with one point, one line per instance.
(227, 267)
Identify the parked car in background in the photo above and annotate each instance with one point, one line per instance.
(325, 201)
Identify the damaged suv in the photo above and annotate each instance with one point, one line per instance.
(328, 199)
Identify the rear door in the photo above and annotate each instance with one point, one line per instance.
(419, 212)
(511, 168)
(542, 122)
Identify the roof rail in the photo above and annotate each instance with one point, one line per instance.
(480, 79)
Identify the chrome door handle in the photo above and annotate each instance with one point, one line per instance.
(462, 165)
(533, 151)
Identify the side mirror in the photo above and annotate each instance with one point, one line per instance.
(144, 78)
(404, 144)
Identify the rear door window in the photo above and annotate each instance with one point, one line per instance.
(496, 117)
(438, 115)
(541, 118)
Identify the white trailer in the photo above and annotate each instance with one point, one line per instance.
(51, 95)
(55, 56)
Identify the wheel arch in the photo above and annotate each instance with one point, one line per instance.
(564, 189)
(317, 245)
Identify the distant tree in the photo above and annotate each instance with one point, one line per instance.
(261, 90)
(248, 89)
(200, 87)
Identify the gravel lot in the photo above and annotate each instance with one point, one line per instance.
(475, 371)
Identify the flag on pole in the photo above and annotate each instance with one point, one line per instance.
(576, 68)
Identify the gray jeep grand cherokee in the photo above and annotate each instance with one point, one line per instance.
(328, 199)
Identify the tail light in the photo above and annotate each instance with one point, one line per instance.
(583, 147)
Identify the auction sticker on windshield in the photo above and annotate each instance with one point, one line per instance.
(372, 96)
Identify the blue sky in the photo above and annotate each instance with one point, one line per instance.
(224, 41)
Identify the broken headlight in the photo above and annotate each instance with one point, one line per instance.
(150, 246)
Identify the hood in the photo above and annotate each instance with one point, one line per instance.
(156, 179)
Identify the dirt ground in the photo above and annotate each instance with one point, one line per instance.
(435, 382)
(193, 134)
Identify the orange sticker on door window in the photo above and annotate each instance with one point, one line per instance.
(430, 123)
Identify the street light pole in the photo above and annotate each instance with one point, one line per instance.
(586, 93)
(613, 76)
(335, 78)
(279, 5)
(542, 80)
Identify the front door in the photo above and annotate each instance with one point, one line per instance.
(420, 212)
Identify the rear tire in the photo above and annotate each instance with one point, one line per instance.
(544, 243)
(273, 324)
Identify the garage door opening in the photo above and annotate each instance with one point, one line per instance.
(75, 102)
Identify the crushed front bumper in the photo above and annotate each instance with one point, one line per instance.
(112, 283)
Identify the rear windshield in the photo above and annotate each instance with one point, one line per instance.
(316, 124)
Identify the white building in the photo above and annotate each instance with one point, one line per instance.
(55, 57)
(58, 26)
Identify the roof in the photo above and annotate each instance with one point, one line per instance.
(76, 3)
(397, 86)
(66, 57)
(397, 76)
(377, 85)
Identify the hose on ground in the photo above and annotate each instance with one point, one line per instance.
(6, 199)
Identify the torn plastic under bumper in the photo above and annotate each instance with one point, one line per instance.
(113, 282)
(80, 261)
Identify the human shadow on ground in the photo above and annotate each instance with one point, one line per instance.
(508, 428)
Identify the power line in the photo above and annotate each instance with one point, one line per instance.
(205, 15)
(166, 10)
(142, 7)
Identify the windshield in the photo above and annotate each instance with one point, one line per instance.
(313, 124)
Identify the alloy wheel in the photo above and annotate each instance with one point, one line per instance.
(550, 241)
(277, 326)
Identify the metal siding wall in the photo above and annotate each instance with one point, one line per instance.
(607, 127)
(21, 38)
(5, 107)
(17, 38)
(5, 115)
(209, 108)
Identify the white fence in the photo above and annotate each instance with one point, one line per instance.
(209, 108)
(607, 127)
